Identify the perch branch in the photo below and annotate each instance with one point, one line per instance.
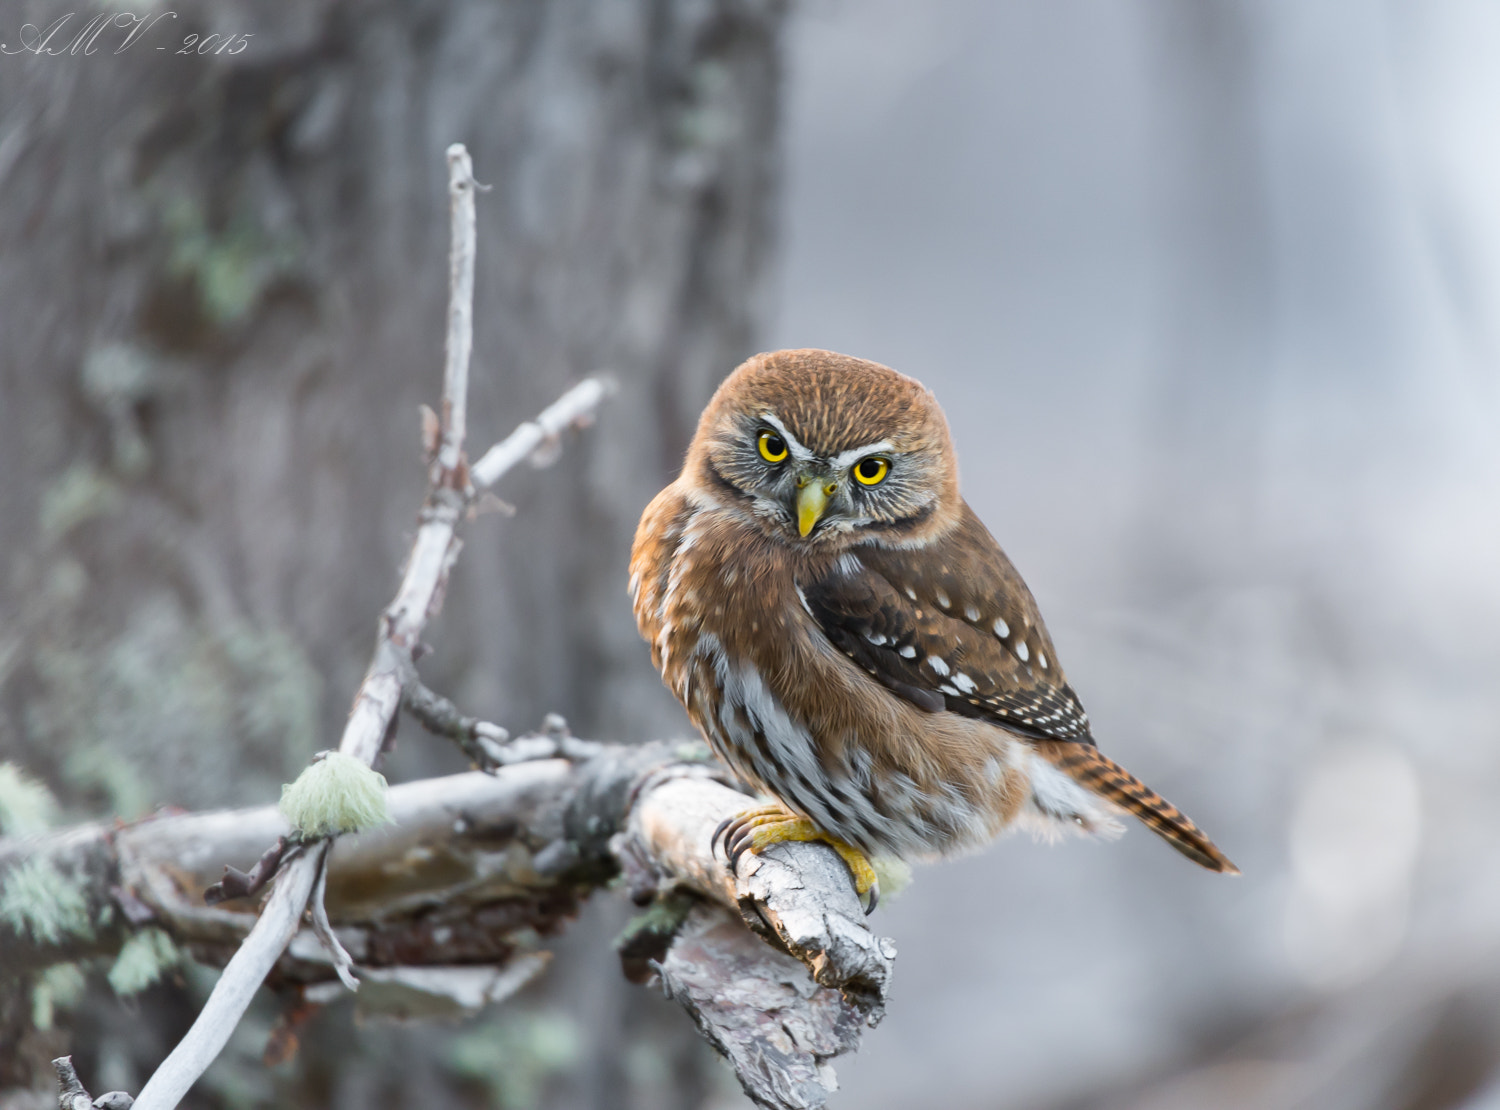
(797, 895)
(521, 848)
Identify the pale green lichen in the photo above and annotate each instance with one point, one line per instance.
(38, 900)
(26, 806)
(142, 961)
(173, 710)
(230, 269)
(337, 794)
(515, 1055)
(60, 987)
(77, 495)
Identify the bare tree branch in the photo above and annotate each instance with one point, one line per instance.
(756, 1006)
(460, 314)
(798, 896)
(574, 407)
(419, 597)
(520, 849)
(236, 986)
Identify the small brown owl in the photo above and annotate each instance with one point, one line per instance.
(850, 638)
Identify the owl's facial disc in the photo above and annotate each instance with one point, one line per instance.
(818, 492)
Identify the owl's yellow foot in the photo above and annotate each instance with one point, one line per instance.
(754, 830)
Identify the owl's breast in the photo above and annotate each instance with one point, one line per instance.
(734, 640)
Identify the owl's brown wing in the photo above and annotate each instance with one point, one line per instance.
(950, 626)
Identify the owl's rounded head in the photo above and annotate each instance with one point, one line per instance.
(823, 449)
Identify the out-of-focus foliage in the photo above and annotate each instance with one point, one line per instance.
(515, 1053)
(38, 900)
(26, 805)
(145, 957)
(58, 988)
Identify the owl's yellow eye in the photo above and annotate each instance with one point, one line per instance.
(871, 471)
(772, 446)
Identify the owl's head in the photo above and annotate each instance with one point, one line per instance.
(823, 449)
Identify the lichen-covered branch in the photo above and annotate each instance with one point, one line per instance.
(444, 909)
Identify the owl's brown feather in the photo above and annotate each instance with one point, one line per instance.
(955, 629)
(885, 674)
(1092, 768)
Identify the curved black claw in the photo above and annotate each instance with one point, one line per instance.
(740, 843)
(713, 845)
(874, 899)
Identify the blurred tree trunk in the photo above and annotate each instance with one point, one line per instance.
(222, 285)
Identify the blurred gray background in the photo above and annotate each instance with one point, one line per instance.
(1210, 292)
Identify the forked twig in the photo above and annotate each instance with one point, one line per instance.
(375, 704)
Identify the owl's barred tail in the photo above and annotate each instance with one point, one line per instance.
(1093, 770)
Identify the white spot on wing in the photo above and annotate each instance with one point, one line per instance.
(964, 683)
(1001, 628)
(1041, 658)
(972, 614)
(1022, 651)
(942, 599)
(937, 664)
(875, 638)
(908, 652)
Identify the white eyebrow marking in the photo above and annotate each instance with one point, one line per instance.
(854, 454)
(802, 453)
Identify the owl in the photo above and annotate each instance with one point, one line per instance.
(851, 640)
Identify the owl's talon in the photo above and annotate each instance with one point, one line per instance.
(735, 848)
(755, 830)
(713, 845)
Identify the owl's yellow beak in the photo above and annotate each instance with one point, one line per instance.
(812, 499)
